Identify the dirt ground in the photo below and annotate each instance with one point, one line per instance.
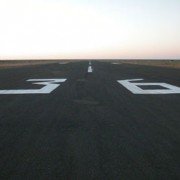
(16, 63)
(161, 63)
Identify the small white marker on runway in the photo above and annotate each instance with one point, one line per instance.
(90, 70)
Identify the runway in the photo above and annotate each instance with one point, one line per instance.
(90, 120)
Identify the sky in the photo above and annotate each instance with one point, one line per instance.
(89, 29)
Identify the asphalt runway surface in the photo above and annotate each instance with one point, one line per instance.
(91, 126)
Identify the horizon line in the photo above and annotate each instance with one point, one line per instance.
(90, 59)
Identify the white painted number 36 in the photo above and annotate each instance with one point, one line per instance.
(135, 87)
(49, 86)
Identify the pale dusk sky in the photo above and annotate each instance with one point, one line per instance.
(89, 29)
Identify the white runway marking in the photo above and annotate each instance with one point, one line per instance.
(49, 86)
(90, 70)
(115, 63)
(135, 89)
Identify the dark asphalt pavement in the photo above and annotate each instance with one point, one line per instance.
(90, 127)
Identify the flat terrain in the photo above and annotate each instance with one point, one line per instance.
(4, 64)
(158, 63)
(91, 126)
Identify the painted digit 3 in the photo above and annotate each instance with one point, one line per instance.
(49, 85)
